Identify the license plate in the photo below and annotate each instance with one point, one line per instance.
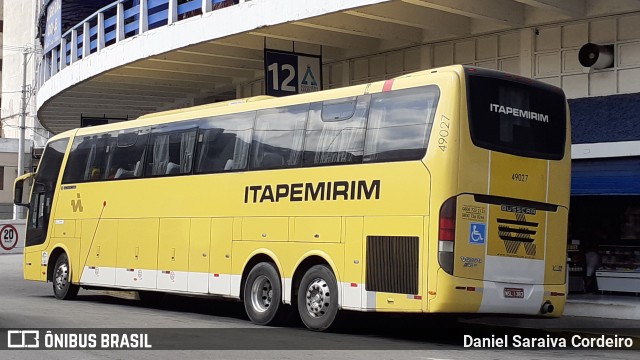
(517, 293)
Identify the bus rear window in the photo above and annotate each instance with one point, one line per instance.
(525, 119)
(400, 124)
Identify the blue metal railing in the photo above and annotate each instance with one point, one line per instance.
(118, 21)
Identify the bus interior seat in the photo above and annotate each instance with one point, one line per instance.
(228, 165)
(137, 170)
(172, 168)
(123, 174)
(272, 159)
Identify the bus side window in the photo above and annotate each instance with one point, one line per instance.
(335, 132)
(400, 123)
(278, 137)
(170, 150)
(223, 143)
(87, 159)
(81, 157)
(126, 151)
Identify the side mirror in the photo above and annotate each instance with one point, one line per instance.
(20, 196)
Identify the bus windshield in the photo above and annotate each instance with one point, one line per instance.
(511, 116)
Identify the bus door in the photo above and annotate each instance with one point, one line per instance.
(41, 204)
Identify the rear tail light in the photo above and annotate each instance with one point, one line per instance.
(447, 234)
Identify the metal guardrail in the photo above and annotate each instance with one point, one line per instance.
(117, 21)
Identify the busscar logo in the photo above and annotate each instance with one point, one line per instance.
(518, 232)
(23, 339)
(518, 209)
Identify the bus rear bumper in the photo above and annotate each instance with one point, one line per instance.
(461, 295)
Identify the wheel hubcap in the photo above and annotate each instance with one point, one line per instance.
(61, 277)
(318, 298)
(261, 293)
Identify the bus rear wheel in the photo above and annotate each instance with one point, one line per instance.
(263, 294)
(63, 289)
(318, 298)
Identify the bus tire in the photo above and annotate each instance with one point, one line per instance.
(318, 298)
(63, 289)
(263, 295)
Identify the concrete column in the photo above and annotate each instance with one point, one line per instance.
(143, 18)
(526, 52)
(100, 31)
(17, 211)
(86, 40)
(63, 53)
(426, 57)
(207, 5)
(47, 67)
(239, 91)
(74, 46)
(54, 61)
(120, 22)
(346, 73)
(173, 11)
(41, 68)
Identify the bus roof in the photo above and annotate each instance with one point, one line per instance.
(62, 135)
(251, 104)
(208, 106)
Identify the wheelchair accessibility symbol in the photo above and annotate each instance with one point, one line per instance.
(477, 233)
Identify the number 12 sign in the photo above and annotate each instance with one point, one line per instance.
(288, 73)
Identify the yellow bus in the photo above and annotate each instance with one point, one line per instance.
(445, 190)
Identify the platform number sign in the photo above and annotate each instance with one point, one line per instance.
(8, 237)
(289, 73)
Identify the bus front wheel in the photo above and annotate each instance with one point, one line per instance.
(63, 289)
(263, 294)
(318, 298)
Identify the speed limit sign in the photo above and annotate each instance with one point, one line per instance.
(8, 237)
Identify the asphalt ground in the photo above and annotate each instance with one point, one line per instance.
(203, 328)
